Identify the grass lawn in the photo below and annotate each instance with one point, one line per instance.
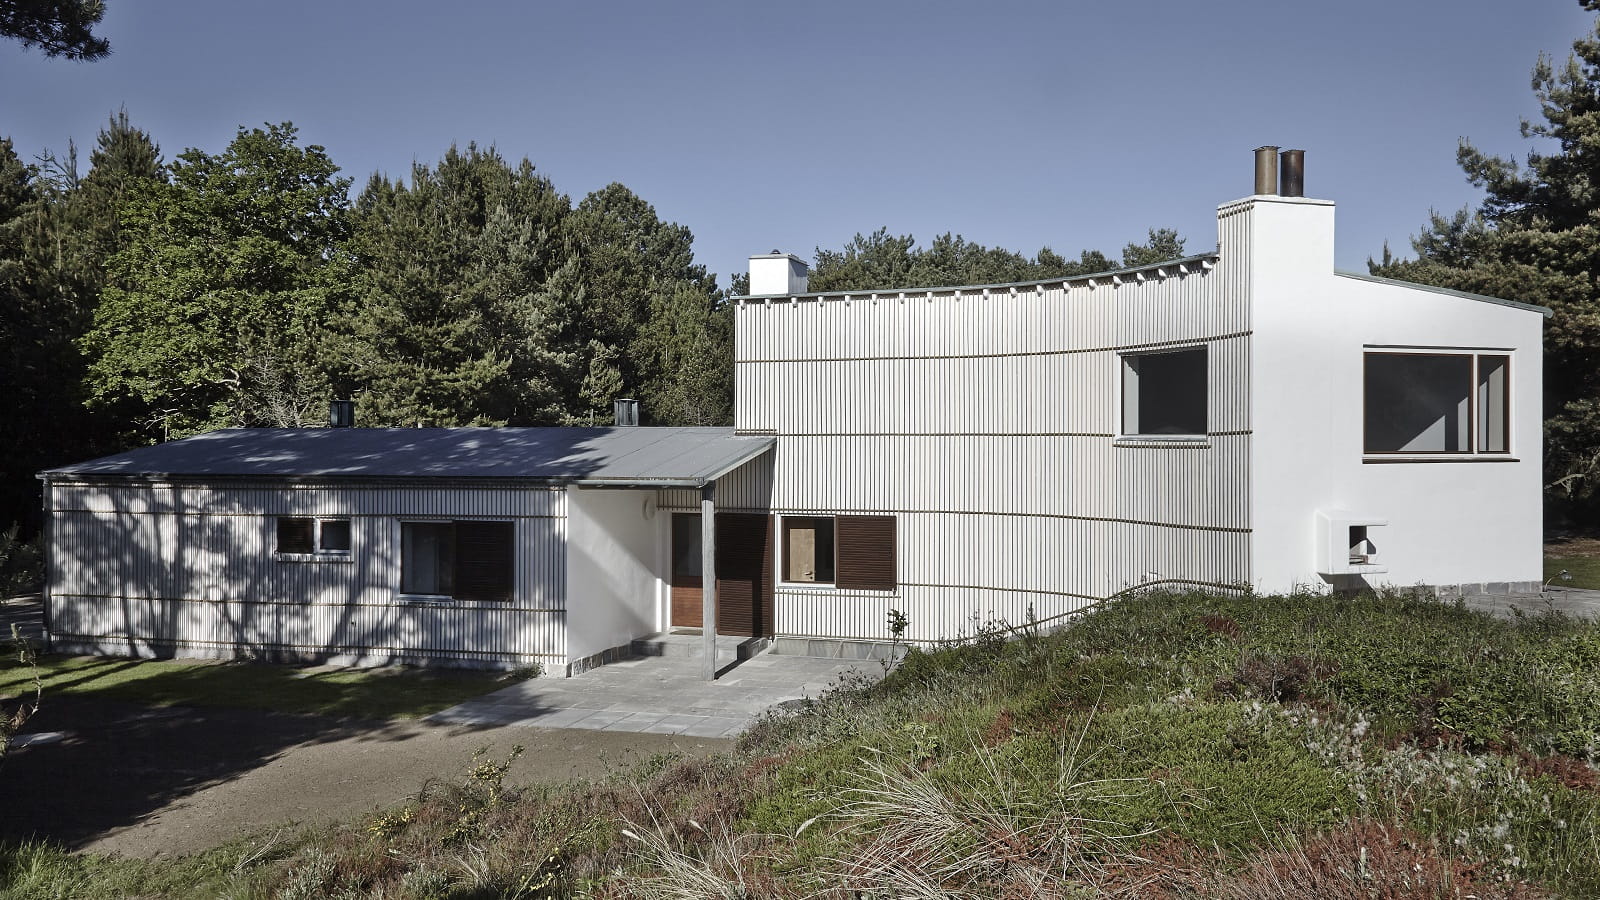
(1585, 571)
(1578, 556)
(1195, 745)
(387, 693)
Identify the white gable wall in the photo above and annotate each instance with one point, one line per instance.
(614, 555)
(1450, 522)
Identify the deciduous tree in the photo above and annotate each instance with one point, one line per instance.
(216, 301)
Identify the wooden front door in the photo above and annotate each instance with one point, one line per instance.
(744, 573)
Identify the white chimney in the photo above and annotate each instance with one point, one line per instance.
(778, 274)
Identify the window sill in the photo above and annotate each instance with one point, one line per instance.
(424, 600)
(313, 557)
(1191, 441)
(1371, 459)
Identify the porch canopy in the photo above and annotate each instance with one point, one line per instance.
(631, 457)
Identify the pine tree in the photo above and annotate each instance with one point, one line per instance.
(648, 314)
(1536, 238)
(451, 321)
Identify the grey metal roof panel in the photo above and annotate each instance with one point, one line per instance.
(1481, 298)
(599, 456)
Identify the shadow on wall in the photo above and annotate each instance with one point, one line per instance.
(237, 599)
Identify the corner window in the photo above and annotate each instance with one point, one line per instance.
(848, 552)
(1164, 393)
(304, 536)
(459, 560)
(1436, 403)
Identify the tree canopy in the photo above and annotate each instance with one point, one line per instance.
(57, 27)
(213, 311)
(1536, 238)
(881, 261)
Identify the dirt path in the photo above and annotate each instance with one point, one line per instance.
(165, 782)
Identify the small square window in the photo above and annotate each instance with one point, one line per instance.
(808, 549)
(296, 534)
(335, 536)
(1164, 392)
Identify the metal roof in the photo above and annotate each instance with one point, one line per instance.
(1210, 256)
(1481, 298)
(605, 457)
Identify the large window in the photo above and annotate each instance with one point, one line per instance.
(1437, 403)
(304, 535)
(849, 552)
(460, 560)
(1164, 393)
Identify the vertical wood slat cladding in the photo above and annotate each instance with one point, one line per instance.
(744, 579)
(866, 552)
(196, 574)
(987, 422)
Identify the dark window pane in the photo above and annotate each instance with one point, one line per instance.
(296, 534)
(336, 536)
(427, 558)
(1165, 393)
(686, 554)
(1418, 403)
(1494, 404)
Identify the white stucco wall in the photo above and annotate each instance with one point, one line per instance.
(613, 559)
(1450, 522)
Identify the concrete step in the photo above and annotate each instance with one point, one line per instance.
(685, 642)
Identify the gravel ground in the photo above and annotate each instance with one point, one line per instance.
(121, 778)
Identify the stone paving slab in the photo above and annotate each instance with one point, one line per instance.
(1574, 602)
(659, 695)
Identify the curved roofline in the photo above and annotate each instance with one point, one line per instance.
(1209, 257)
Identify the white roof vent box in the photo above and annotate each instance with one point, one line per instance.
(778, 274)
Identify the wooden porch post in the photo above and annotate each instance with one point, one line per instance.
(708, 578)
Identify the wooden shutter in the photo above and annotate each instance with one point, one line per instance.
(485, 560)
(296, 535)
(867, 551)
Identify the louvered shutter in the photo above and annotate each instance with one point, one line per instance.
(485, 560)
(866, 552)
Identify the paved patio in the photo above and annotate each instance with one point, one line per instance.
(660, 695)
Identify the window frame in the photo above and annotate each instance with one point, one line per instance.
(846, 559)
(784, 524)
(1475, 412)
(317, 553)
(506, 583)
(1125, 368)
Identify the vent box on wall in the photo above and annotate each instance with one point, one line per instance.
(1346, 544)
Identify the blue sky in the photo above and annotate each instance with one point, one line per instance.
(761, 126)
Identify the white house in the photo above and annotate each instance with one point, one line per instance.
(1247, 417)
